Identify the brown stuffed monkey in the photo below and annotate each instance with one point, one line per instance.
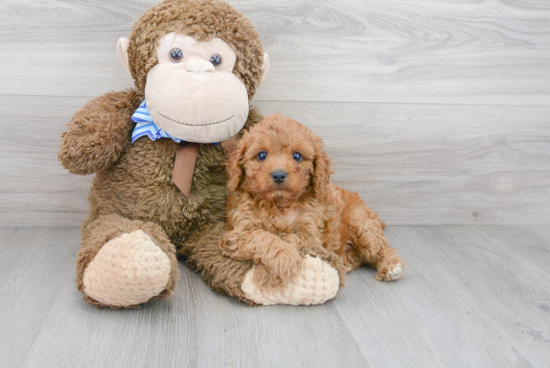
(160, 183)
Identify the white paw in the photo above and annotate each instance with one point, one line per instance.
(317, 283)
(395, 273)
(127, 270)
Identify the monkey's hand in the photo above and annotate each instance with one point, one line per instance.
(98, 133)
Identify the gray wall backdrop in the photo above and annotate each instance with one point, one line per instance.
(435, 112)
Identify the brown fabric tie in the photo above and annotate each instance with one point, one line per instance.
(186, 157)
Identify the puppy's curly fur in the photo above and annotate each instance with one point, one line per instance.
(268, 222)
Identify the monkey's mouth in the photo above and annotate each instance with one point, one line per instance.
(196, 125)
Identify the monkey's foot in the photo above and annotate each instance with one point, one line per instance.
(317, 283)
(128, 270)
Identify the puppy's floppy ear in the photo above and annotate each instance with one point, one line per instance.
(235, 164)
(322, 170)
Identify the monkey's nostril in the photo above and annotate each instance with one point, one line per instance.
(278, 176)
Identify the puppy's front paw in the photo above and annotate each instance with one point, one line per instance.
(391, 272)
(282, 267)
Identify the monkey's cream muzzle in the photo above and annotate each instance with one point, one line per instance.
(192, 94)
(195, 102)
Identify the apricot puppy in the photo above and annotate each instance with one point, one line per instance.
(283, 201)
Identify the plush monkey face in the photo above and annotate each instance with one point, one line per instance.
(192, 93)
(197, 63)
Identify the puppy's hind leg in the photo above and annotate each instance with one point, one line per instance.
(367, 243)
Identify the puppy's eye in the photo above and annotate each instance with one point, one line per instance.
(216, 59)
(176, 55)
(297, 156)
(262, 155)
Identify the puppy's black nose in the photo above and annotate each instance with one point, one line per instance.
(278, 176)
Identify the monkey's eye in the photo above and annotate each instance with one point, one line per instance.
(216, 59)
(176, 55)
(297, 156)
(261, 156)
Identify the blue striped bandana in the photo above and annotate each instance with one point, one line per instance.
(146, 126)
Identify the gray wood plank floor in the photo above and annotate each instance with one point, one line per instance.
(472, 296)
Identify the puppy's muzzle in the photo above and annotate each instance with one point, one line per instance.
(279, 176)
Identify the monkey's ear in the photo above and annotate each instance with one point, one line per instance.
(265, 67)
(122, 50)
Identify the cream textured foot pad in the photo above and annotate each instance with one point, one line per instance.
(318, 283)
(128, 270)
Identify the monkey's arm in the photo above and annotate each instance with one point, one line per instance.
(98, 133)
